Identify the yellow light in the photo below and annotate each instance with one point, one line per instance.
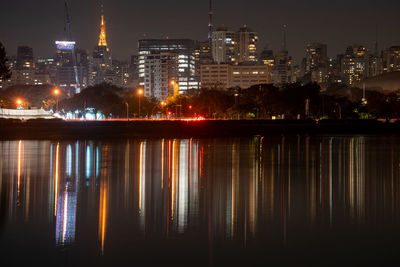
(140, 92)
(163, 103)
(172, 82)
(56, 92)
(19, 101)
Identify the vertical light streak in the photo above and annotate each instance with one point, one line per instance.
(103, 201)
(56, 178)
(183, 186)
(140, 176)
(19, 167)
(65, 217)
(174, 174)
(103, 212)
(162, 165)
(69, 161)
(88, 162)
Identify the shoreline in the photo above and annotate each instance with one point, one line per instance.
(59, 129)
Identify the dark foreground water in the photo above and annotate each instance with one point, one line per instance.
(260, 201)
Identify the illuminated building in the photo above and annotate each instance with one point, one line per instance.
(24, 71)
(223, 46)
(354, 64)
(316, 63)
(267, 57)
(160, 70)
(391, 59)
(178, 54)
(203, 55)
(65, 75)
(246, 45)
(228, 76)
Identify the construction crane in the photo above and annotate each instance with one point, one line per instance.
(69, 37)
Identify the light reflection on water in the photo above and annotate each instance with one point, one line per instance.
(268, 199)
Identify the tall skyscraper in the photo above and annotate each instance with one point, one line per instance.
(223, 46)
(176, 57)
(246, 45)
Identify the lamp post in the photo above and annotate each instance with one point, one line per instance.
(236, 104)
(140, 93)
(163, 104)
(56, 92)
(127, 111)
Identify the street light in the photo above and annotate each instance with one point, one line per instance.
(127, 111)
(56, 92)
(176, 88)
(236, 104)
(19, 103)
(140, 93)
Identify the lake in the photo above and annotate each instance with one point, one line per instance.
(265, 200)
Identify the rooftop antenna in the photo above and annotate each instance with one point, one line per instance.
(284, 45)
(376, 42)
(210, 22)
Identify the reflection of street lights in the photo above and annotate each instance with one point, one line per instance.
(56, 92)
(127, 110)
(140, 93)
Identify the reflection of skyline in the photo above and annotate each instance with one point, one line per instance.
(233, 190)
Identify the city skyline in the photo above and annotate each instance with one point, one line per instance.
(129, 22)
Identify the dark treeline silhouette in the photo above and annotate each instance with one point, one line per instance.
(4, 69)
(264, 101)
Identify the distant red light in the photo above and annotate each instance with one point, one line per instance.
(190, 107)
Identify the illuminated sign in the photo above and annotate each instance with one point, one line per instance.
(65, 45)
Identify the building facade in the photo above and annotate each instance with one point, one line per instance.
(176, 57)
(246, 46)
(316, 63)
(354, 64)
(225, 76)
(223, 46)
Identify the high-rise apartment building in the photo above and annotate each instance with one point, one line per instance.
(391, 59)
(316, 63)
(223, 46)
(354, 64)
(24, 71)
(267, 57)
(175, 57)
(246, 45)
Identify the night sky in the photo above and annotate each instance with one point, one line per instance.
(339, 23)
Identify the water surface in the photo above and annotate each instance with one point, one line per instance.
(285, 200)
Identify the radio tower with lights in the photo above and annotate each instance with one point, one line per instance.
(210, 22)
(69, 38)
